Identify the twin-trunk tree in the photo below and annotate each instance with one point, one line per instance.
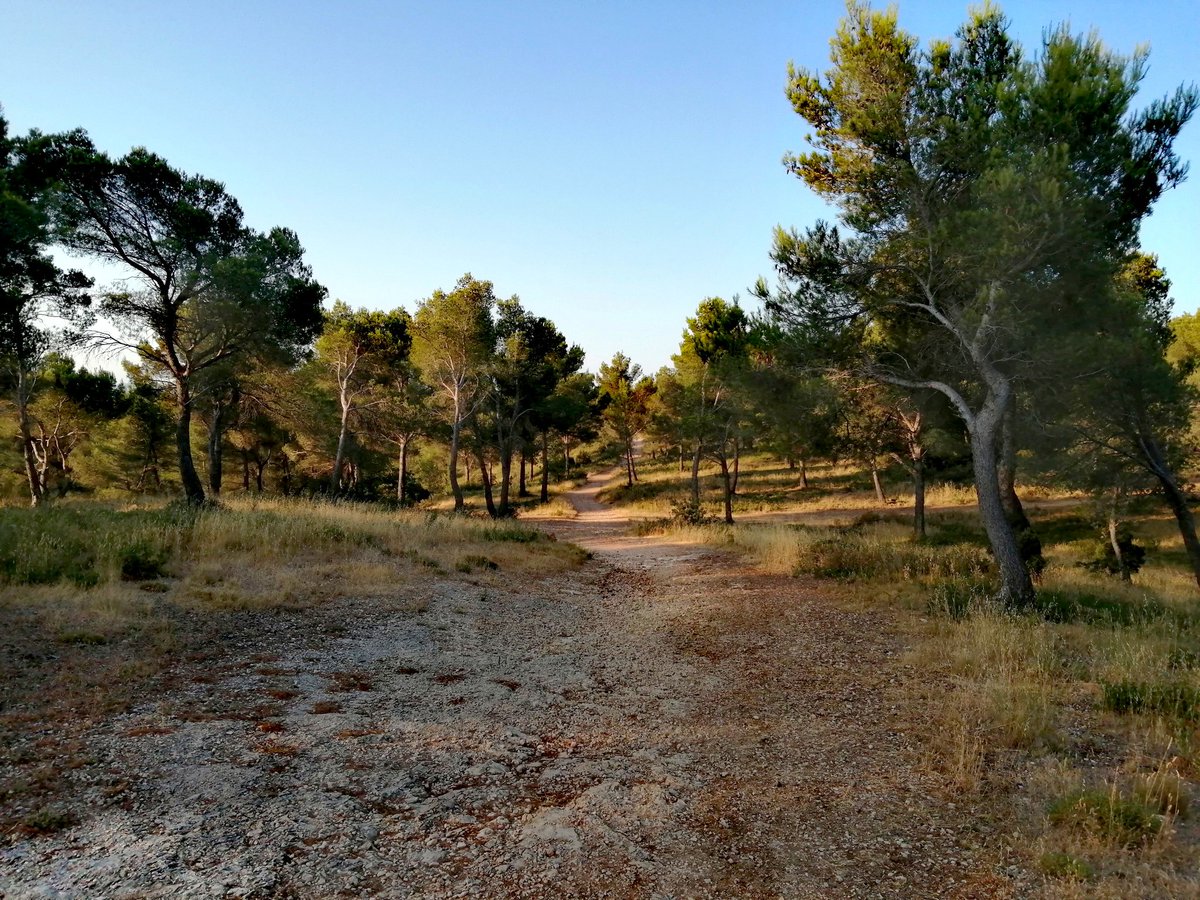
(205, 289)
(988, 200)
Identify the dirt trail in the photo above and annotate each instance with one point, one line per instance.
(662, 722)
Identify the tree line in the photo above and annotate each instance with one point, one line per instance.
(229, 339)
(983, 285)
(982, 293)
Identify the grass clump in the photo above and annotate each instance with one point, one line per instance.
(1063, 865)
(1111, 816)
(1171, 699)
(1093, 607)
(48, 820)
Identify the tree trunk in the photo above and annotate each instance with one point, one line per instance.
(1114, 541)
(193, 488)
(522, 489)
(37, 493)
(1006, 473)
(1176, 500)
(260, 468)
(403, 472)
(918, 474)
(879, 494)
(696, 474)
(544, 496)
(803, 475)
(455, 487)
(1017, 585)
(506, 461)
(486, 478)
(633, 475)
(737, 462)
(681, 456)
(216, 431)
(728, 485)
(246, 471)
(335, 480)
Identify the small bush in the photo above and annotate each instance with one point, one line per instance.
(1064, 865)
(1067, 605)
(1180, 700)
(143, 562)
(689, 511)
(1101, 557)
(48, 820)
(955, 597)
(474, 561)
(1125, 821)
(513, 534)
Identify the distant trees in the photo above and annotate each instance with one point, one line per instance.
(626, 394)
(453, 340)
(205, 289)
(987, 201)
(32, 285)
(358, 351)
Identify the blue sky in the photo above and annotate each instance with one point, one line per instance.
(612, 163)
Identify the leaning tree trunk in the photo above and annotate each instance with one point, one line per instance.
(37, 492)
(335, 480)
(193, 488)
(879, 494)
(1006, 473)
(1176, 499)
(216, 433)
(803, 475)
(545, 492)
(402, 467)
(737, 462)
(486, 477)
(1016, 583)
(696, 473)
(727, 483)
(506, 461)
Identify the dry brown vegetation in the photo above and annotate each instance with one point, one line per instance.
(98, 602)
(1075, 723)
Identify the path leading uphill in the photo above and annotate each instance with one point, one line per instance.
(662, 722)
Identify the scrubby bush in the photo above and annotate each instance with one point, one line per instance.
(689, 511)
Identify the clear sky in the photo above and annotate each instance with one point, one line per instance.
(613, 163)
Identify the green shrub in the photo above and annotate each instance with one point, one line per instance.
(689, 511)
(954, 598)
(514, 533)
(851, 555)
(1064, 865)
(1069, 605)
(1101, 557)
(476, 561)
(1180, 700)
(143, 561)
(1109, 815)
(48, 820)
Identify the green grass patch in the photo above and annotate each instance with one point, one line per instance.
(1179, 700)
(1064, 865)
(1109, 815)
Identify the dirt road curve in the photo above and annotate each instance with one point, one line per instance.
(661, 723)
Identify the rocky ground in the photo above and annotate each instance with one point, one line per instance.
(662, 722)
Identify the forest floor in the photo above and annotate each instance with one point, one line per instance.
(662, 721)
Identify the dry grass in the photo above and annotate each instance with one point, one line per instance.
(1091, 702)
(96, 599)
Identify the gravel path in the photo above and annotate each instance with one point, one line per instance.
(662, 722)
